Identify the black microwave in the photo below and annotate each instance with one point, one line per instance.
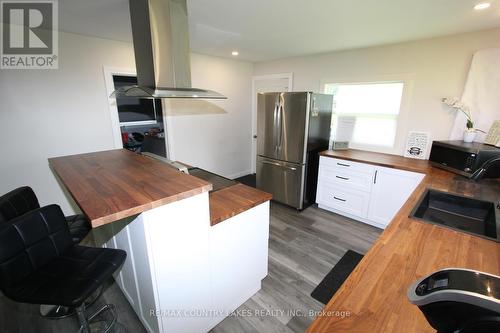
(463, 157)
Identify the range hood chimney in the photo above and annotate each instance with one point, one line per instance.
(160, 34)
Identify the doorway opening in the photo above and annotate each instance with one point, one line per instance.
(137, 124)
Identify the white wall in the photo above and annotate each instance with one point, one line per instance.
(220, 139)
(433, 68)
(47, 113)
(60, 112)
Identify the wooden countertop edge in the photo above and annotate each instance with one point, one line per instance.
(233, 208)
(424, 168)
(221, 218)
(100, 221)
(142, 208)
(224, 203)
(216, 220)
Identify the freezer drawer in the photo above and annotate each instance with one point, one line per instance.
(283, 180)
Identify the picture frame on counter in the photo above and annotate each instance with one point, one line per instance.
(417, 145)
(493, 136)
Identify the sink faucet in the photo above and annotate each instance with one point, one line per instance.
(479, 173)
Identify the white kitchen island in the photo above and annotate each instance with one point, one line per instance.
(187, 267)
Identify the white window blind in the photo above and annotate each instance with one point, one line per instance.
(376, 107)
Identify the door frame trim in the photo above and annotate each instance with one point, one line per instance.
(255, 79)
(109, 72)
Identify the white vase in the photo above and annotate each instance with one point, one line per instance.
(469, 136)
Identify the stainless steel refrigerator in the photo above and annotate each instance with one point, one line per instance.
(292, 128)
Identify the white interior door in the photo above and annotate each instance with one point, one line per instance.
(263, 84)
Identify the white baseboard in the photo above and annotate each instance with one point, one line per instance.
(351, 216)
(239, 174)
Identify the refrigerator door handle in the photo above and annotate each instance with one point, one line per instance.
(280, 165)
(280, 113)
(275, 126)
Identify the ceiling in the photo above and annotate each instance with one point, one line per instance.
(271, 29)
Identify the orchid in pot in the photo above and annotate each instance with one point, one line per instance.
(470, 131)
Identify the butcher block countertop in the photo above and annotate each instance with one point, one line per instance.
(114, 184)
(385, 160)
(408, 249)
(231, 201)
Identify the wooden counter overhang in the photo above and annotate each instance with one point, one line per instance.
(408, 249)
(115, 184)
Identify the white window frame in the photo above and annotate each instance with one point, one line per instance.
(402, 118)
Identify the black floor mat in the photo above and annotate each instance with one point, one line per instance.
(334, 279)
(249, 180)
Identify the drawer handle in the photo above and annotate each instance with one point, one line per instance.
(339, 199)
(344, 178)
(375, 177)
(342, 164)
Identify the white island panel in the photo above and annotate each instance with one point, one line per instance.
(183, 275)
(177, 239)
(239, 252)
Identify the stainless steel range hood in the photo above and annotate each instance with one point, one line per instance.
(160, 33)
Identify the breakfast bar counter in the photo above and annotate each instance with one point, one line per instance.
(375, 293)
(115, 184)
(183, 243)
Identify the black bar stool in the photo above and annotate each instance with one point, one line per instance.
(22, 200)
(40, 264)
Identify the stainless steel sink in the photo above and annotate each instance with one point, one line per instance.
(458, 212)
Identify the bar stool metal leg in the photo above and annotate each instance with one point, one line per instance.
(90, 325)
(56, 311)
(82, 318)
(59, 311)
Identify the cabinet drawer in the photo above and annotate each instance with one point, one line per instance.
(347, 165)
(349, 201)
(346, 178)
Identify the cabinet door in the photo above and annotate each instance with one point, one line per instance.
(390, 191)
(343, 198)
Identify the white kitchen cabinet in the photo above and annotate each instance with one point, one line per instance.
(365, 192)
(344, 165)
(343, 198)
(346, 177)
(390, 191)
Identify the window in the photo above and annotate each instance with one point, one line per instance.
(374, 105)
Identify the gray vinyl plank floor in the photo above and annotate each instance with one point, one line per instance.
(303, 248)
